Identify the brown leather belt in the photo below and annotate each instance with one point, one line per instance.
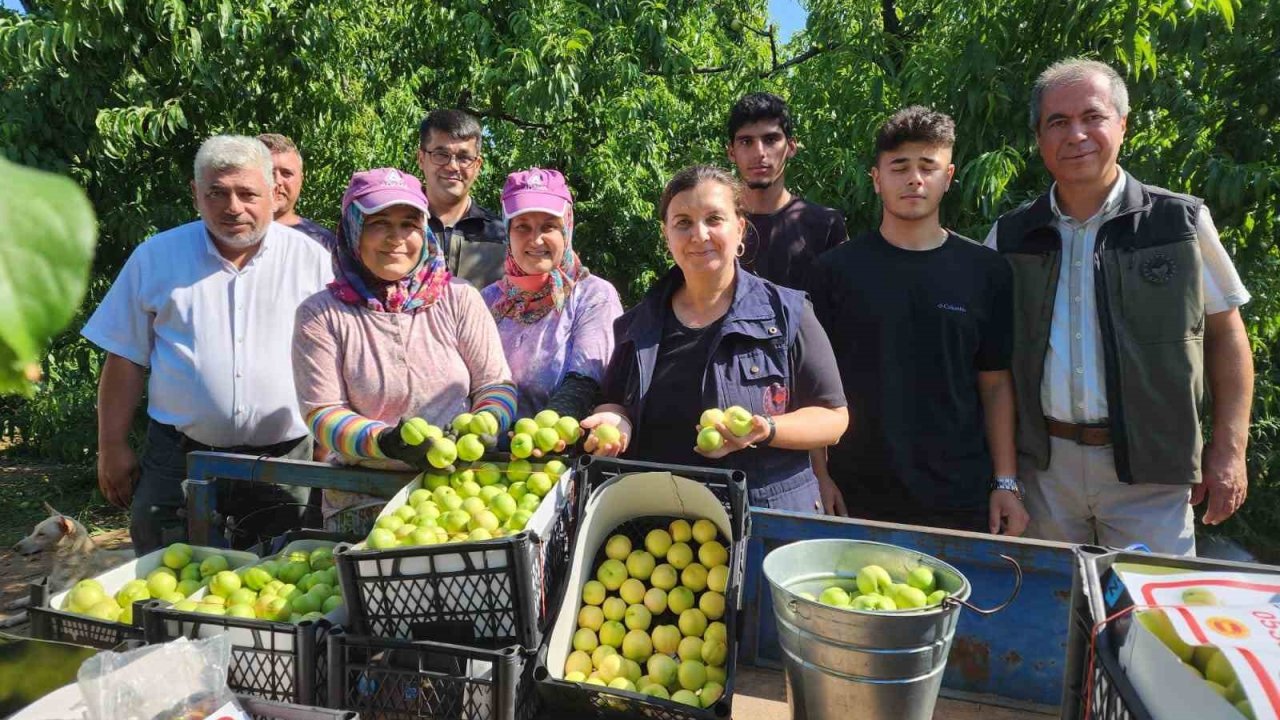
(1094, 434)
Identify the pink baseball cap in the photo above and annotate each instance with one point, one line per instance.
(535, 190)
(378, 189)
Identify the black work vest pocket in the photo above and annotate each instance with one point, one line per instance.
(760, 381)
(1161, 294)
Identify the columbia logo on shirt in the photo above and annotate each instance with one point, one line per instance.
(952, 308)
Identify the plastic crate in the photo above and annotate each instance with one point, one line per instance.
(489, 594)
(260, 709)
(392, 679)
(1113, 696)
(276, 661)
(567, 699)
(50, 623)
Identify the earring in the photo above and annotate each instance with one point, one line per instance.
(742, 248)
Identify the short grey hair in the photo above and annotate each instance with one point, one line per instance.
(1074, 70)
(221, 153)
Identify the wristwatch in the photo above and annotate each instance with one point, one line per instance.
(1008, 482)
(773, 430)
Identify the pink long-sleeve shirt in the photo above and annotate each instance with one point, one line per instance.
(389, 366)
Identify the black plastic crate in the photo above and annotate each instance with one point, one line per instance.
(728, 486)
(489, 594)
(260, 709)
(1095, 686)
(277, 661)
(580, 700)
(394, 679)
(1113, 696)
(48, 623)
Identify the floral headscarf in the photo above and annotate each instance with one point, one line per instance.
(353, 283)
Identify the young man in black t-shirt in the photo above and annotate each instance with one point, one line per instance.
(920, 319)
(785, 233)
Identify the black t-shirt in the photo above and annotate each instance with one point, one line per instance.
(781, 247)
(675, 395)
(667, 430)
(911, 331)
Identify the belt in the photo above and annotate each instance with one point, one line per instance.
(188, 445)
(1095, 434)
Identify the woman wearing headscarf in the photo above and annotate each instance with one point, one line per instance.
(554, 317)
(394, 336)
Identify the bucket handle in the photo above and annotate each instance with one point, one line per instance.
(1017, 586)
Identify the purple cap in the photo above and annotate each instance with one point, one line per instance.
(375, 190)
(535, 190)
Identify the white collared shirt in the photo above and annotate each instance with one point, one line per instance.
(1074, 386)
(217, 338)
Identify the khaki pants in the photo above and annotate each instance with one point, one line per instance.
(1080, 500)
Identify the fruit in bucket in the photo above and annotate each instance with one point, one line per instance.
(657, 615)
(873, 589)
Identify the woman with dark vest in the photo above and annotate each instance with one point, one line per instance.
(709, 335)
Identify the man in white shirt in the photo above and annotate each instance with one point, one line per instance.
(206, 309)
(1126, 305)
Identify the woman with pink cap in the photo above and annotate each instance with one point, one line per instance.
(554, 317)
(394, 336)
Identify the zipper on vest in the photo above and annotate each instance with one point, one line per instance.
(1111, 374)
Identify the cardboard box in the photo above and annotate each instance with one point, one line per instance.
(1238, 613)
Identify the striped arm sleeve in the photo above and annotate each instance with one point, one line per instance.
(345, 432)
(499, 399)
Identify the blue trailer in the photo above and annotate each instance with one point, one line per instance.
(1015, 659)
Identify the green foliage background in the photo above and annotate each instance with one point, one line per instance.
(119, 93)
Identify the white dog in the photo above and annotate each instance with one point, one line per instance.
(75, 556)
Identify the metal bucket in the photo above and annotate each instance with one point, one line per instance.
(844, 663)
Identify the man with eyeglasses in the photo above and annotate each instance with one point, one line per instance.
(473, 238)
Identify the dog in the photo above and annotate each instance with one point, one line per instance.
(75, 556)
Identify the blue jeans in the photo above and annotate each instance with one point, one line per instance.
(158, 495)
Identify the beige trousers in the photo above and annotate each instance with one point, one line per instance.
(1079, 499)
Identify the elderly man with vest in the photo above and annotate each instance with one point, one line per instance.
(1125, 308)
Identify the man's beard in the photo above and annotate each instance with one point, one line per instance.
(243, 241)
(762, 184)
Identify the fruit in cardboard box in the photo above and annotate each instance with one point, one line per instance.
(669, 619)
(1159, 625)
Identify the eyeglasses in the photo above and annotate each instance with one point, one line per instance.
(441, 158)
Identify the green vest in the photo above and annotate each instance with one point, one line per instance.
(1147, 277)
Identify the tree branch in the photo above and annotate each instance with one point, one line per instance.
(812, 52)
(889, 15)
(518, 122)
(773, 48)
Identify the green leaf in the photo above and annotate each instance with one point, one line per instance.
(50, 233)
